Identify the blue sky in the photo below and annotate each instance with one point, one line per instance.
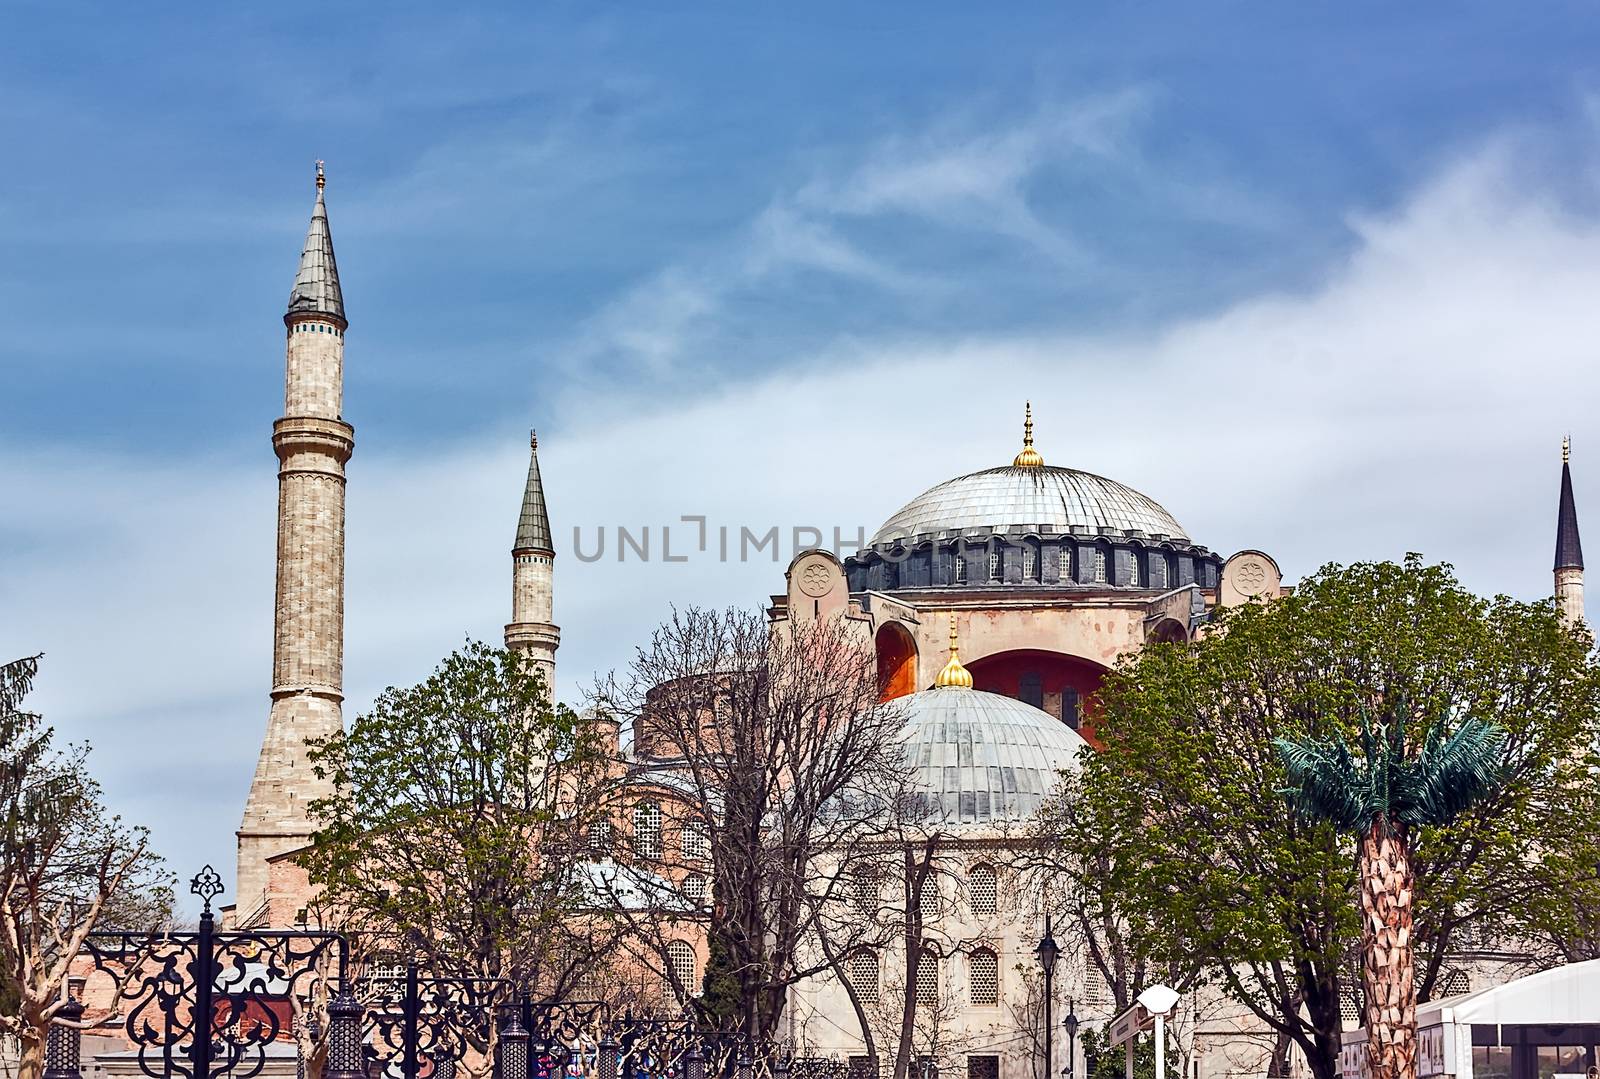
(1321, 282)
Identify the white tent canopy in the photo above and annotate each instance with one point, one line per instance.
(1558, 996)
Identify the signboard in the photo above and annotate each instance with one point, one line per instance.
(1126, 1027)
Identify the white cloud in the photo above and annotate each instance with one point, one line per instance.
(1414, 400)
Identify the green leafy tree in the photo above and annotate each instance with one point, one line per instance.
(1197, 855)
(67, 867)
(1381, 797)
(456, 833)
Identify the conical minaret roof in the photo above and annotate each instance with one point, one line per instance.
(1569, 548)
(533, 526)
(316, 283)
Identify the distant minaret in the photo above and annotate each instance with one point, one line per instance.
(532, 563)
(1569, 549)
(312, 443)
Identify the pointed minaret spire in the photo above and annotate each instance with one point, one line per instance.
(1569, 547)
(533, 553)
(316, 283)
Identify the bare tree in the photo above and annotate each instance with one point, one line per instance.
(67, 866)
(777, 746)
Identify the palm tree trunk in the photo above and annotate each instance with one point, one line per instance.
(1387, 965)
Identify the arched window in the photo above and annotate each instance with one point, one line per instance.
(1030, 562)
(695, 889)
(1030, 689)
(983, 978)
(1070, 713)
(866, 888)
(647, 829)
(1455, 983)
(1158, 570)
(600, 839)
(862, 971)
(930, 898)
(927, 978)
(1350, 1003)
(1095, 990)
(1136, 568)
(983, 889)
(1099, 565)
(961, 570)
(695, 840)
(1067, 561)
(994, 563)
(680, 957)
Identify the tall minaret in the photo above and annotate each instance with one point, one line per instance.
(1569, 549)
(313, 443)
(532, 562)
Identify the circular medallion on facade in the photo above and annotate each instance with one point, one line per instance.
(1250, 577)
(816, 579)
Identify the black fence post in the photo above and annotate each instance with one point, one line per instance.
(411, 1014)
(63, 1046)
(346, 1059)
(514, 1049)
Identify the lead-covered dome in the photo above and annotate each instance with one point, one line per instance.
(982, 758)
(1046, 499)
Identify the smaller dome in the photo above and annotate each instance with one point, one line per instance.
(981, 757)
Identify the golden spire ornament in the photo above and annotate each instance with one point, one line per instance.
(954, 675)
(1029, 457)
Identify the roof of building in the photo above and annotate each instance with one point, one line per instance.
(316, 283)
(1569, 548)
(982, 758)
(1030, 498)
(533, 525)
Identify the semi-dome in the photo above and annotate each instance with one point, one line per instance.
(1030, 498)
(981, 758)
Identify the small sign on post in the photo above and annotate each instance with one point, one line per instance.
(1149, 1012)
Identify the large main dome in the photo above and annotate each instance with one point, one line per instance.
(1030, 498)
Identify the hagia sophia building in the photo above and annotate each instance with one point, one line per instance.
(1040, 576)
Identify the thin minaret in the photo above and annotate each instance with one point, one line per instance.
(531, 629)
(1569, 548)
(313, 443)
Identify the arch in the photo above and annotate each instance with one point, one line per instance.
(897, 661)
(684, 966)
(928, 977)
(647, 829)
(864, 974)
(983, 889)
(1063, 679)
(1168, 631)
(983, 978)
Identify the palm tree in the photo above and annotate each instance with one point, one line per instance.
(1380, 797)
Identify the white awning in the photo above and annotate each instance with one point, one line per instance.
(1560, 995)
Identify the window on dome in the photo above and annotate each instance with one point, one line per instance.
(1030, 562)
(1030, 689)
(1066, 562)
(1099, 565)
(647, 830)
(994, 565)
(695, 840)
(863, 975)
(983, 977)
(1136, 569)
(1158, 571)
(961, 570)
(1070, 714)
(600, 839)
(927, 978)
(983, 887)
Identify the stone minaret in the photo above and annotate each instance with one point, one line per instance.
(313, 443)
(1569, 549)
(532, 563)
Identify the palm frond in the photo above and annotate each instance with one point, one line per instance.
(1325, 782)
(1451, 773)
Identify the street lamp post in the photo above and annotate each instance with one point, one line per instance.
(1048, 952)
(1070, 1023)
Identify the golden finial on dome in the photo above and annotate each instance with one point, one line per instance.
(321, 179)
(1029, 457)
(1566, 448)
(954, 675)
